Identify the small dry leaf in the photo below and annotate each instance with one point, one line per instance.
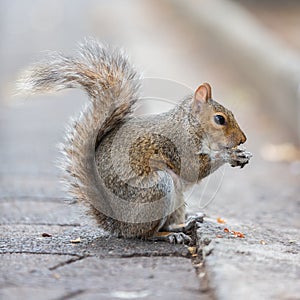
(221, 221)
(76, 241)
(238, 234)
(56, 276)
(235, 233)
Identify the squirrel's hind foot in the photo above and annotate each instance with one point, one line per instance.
(172, 237)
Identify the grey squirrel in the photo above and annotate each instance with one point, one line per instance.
(132, 171)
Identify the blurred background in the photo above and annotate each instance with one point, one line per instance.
(248, 50)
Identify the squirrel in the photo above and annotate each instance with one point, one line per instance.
(131, 171)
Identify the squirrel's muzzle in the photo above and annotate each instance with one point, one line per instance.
(243, 138)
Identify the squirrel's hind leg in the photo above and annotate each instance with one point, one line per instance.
(175, 233)
(178, 233)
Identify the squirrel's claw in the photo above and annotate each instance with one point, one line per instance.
(178, 238)
(172, 237)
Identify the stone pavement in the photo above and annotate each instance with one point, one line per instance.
(40, 258)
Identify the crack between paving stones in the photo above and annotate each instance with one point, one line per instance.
(37, 199)
(198, 263)
(42, 224)
(68, 262)
(71, 295)
(42, 253)
(201, 273)
(150, 254)
(108, 256)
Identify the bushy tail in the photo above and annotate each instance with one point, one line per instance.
(112, 85)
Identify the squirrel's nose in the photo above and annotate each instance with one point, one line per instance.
(243, 139)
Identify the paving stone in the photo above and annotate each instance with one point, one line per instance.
(91, 277)
(27, 276)
(250, 266)
(93, 241)
(150, 278)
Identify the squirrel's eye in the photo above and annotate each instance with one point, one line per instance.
(219, 119)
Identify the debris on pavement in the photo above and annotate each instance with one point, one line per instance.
(45, 234)
(76, 241)
(221, 221)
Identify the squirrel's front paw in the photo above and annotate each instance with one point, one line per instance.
(239, 158)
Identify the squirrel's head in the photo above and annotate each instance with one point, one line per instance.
(217, 123)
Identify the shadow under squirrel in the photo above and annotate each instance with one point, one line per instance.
(132, 171)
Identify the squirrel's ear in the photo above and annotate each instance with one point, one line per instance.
(202, 94)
